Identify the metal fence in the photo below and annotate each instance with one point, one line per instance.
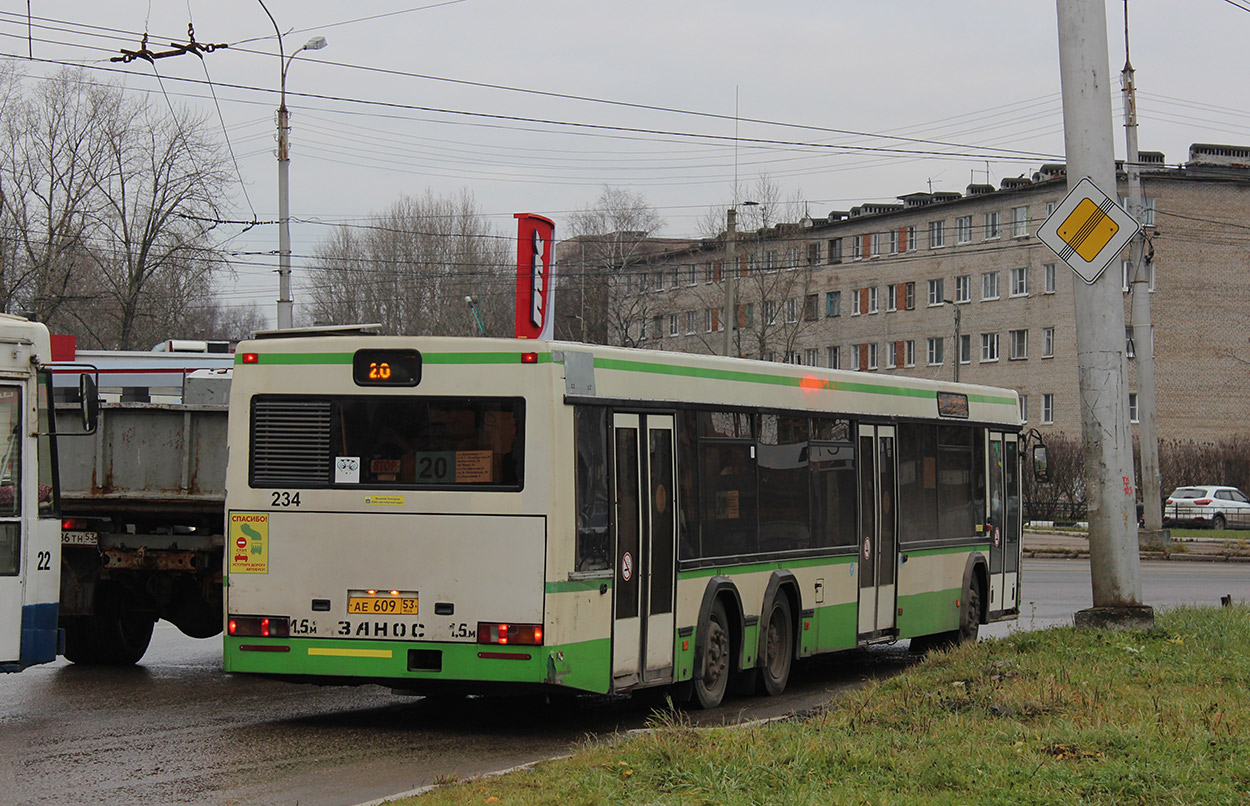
(1058, 512)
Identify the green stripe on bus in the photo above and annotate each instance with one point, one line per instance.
(428, 358)
(928, 613)
(950, 550)
(578, 585)
(743, 376)
(749, 568)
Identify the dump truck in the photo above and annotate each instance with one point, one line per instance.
(142, 499)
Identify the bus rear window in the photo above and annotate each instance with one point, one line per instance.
(389, 441)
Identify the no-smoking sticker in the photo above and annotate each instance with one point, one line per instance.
(867, 548)
(627, 566)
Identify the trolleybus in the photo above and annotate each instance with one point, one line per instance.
(489, 515)
(30, 534)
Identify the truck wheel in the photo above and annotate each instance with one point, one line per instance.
(112, 640)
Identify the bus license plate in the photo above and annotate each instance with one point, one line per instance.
(383, 605)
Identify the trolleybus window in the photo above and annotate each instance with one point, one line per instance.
(10, 478)
(591, 434)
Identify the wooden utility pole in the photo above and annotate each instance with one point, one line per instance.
(1101, 366)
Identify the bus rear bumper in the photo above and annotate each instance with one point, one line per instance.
(424, 666)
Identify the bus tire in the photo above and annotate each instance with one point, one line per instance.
(970, 614)
(778, 647)
(108, 640)
(713, 678)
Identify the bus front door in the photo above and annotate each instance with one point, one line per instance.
(1003, 521)
(645, 549)
(12, 531)
(878, 531)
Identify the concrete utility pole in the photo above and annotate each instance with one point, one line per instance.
(1101, 366)
(730, 277)
(1143, 334)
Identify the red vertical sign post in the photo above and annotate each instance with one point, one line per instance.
(535, 283)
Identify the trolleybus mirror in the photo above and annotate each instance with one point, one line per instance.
(89, 400)
(1041, 469)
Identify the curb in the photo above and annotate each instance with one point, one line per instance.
(1062, 553)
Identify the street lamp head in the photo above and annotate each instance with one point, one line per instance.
(316, 43)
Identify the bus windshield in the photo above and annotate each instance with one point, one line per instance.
(393, 440)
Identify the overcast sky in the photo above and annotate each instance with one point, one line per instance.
(402, 108)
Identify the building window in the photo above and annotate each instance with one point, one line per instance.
(1019, 222)
(770, 260)
(993, 225)
(873, 299)
(891, 355)
(711, 320)
(989, 285)
(909, 353)
(935, 292)
(1048, 342)
(1024, 408)
(1048, 272)
(835, 250)
(748, 315)
(855, 297)
(643, 282)
(989, 347)
(965, 348)
(673, 324)
(857, 248)
(1048, 408)
(770, 312)
(642, 329)
(877, 237)
(933, 351)
(963, 229)
(692, 276)
(657, 324)
(1020, 282)
(937, 234)
(813, 253)
(893, 242)
(909, 241)
(834, 356)
(809, 307)
(692, 322)
(891, 298)
(872, 355)
(1019, 344)
(963, 288)
(813, 358)
(674, 278)
(1133, 414)
(1050, 208)
(792, 257)
(792, 310)
(833, 303)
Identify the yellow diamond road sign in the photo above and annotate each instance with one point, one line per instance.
(1088, 230)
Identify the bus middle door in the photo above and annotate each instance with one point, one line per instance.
(878, 531)
(645, 549)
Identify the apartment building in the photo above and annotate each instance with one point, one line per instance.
(956, 285)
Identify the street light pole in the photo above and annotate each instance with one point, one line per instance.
(285, 305)
(956, 356)
(731, 279)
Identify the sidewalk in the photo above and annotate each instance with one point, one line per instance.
(1068, 545)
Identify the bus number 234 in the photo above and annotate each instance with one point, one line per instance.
(284, 498)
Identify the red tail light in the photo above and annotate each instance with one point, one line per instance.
(1202, 502)
(71, 524)
(529, 358)
(504, 634)
(251, 358)
(259, 626)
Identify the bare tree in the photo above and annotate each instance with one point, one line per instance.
(608, 238)
(107, 210)
(411, 268)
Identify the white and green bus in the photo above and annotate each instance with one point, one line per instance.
(490, 515)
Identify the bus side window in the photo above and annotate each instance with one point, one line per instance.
(592, 498)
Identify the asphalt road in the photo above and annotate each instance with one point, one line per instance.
(177, 730)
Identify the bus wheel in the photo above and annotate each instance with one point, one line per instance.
(710, 682)
(778, 648)
(970, 614)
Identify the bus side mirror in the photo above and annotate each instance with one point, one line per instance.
(89, 401)
(1041, 470)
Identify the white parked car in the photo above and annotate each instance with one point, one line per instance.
(1207, 505)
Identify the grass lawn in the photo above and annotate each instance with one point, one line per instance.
(1056, 716)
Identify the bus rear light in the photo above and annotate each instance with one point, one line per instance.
(251, 358)
(504, 634)
(529, 358)
(73, 524)
(259, 626)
